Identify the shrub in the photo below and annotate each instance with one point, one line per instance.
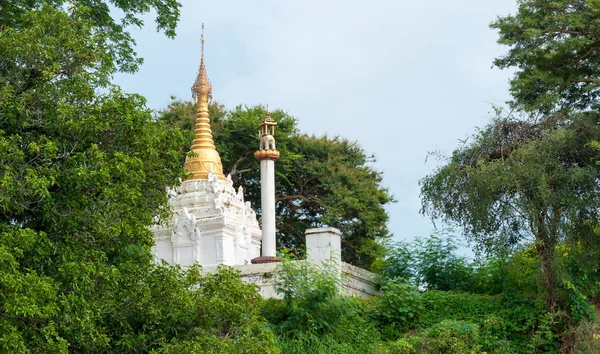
(191, 312)
(400, 346)
(400, 304)
(310, 298)
(399, 261)
(448, 305)
(449, 337)
(351, 334)
(494, 336)
(431, 263)
(312, 317)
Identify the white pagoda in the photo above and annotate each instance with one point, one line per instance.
(211, 223)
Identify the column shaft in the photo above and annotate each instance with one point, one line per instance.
(267, 191)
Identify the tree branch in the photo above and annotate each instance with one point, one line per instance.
(233, 170)
(587, 54)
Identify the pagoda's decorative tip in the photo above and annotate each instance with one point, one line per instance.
(205, 157)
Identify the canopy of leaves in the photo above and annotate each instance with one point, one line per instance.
(518, 179)
(83, 173)
(111, 34)
(319, 180)
(555, 47)
(521, 180)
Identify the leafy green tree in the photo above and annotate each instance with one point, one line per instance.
(399, 261)
(319, 180)
(111, 34)
(439, 267)
(83, 173)
(432, 263)
(520, 181)
(554, 45)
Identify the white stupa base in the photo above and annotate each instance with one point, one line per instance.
(211, 225)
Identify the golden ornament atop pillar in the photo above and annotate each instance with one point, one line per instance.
(266, 149)
(267, 154)
(204, 157)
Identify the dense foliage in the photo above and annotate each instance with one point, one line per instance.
(505, 315)
(320, 180)
(84, 167)
(554, 47)
(83, 172)
(110, 34)
(530, 178)
(520, 181)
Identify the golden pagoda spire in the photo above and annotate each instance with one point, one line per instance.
(207, 158)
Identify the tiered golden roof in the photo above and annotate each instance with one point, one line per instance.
(206, 156)
(266, 149)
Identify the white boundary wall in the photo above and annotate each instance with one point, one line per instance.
(357, 282)
(323, 246)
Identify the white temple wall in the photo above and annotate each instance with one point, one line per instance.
(230, 237)
(357, 282)
(323, 248)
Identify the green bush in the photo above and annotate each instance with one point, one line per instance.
(431, 263)
(310, 298)
(448, 305)
(399, 346)
(352, 334)
(312, 317)
(493, 336)
(181, 311)
(449, 337)
(400, 305)
(399, 261)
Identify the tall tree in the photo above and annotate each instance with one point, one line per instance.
(320, 180)
(555, 47)
(518, 181)
(83, 173)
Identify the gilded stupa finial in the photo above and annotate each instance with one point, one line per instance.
(202, 83)
(203, 157)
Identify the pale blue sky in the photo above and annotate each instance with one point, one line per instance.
(400, 77)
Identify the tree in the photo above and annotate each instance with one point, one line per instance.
(520, 180)
(110, 34)
(432, 263)
(319, 180)
(333, 184)
(83, 173)
(555, 46)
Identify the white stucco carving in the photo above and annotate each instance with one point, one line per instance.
(211, 225)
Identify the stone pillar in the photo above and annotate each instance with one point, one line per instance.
(267, 154)
(324, 245)
(267, 195)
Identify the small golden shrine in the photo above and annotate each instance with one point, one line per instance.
(266, 149)
(203, 156)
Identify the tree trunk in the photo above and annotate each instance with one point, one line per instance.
(546, 254)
